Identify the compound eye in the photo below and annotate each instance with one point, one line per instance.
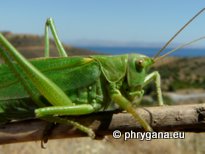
(139, 64)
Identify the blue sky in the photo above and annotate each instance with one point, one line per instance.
(106, 22)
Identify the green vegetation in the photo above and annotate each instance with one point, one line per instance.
(182, 73)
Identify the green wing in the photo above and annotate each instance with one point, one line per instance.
(67, 73)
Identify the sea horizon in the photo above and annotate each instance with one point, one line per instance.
(149, 51)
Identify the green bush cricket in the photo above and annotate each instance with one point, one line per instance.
(48, 88)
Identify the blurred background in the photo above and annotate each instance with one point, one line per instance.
(117, 27)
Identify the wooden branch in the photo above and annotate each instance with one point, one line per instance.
(167, 118)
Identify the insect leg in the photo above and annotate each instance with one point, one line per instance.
(127, 105)
(65, 121)
(50, 114)
(46, 133)
(156, 77)
(45, 86)
(50, 24)
(65, 110)
(19, 75)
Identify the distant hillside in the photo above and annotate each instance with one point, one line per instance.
(182, 73)
(33, 45)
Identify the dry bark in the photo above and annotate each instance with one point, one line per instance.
(189, 118)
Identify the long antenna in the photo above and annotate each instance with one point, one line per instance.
(179, 47)
(178, 32)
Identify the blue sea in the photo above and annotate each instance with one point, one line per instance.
(186, 52)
